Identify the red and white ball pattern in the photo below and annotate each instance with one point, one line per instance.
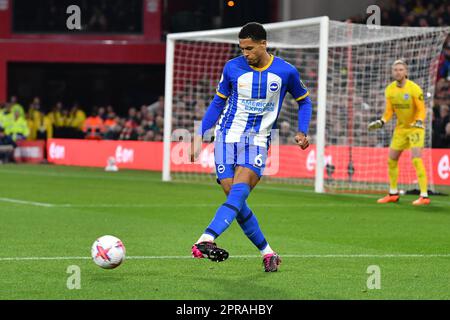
(108, 252)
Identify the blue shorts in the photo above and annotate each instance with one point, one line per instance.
(229, 155)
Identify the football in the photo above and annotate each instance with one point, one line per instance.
(108, 252)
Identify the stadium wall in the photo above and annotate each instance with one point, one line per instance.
(145, 48)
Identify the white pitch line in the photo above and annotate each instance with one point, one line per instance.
(299, 256)
(207, 205)
(178, 205)
(31, 203)
(187, 205)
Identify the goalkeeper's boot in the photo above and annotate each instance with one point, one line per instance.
(422, 201)
(209, 250)
(389, 198)
(271, 262)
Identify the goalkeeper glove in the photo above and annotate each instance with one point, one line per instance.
(418, 124)
(377, 124)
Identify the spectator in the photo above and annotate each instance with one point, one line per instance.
(133, 116)
(34, 118)
(17, 128)
(112, 127)
(55, 116)
(76, 117)
(129, 131)
(93, 126)
(446, 137)
(444, 67)
(157, 106)
(159, 128)
(7, 146)
(110, 110)
(102, 113)
(441, 118)
(40, 125)
(149, 136)
(140, 132)
(16, 106)
(3, 115)
(110, 122)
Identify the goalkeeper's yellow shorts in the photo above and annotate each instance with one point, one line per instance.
(406, 138)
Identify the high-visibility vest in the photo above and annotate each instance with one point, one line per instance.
(17, 127)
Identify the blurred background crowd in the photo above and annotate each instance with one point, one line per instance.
(102, 122)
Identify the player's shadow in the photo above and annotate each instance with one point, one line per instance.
(435, 208)
(253, 286)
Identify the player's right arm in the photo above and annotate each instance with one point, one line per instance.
(212, 113)
(387, 115)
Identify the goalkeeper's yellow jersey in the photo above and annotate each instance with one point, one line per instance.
(407, 103)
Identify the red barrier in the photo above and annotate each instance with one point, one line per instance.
(29, 151)
(370, 164)
(93, 153)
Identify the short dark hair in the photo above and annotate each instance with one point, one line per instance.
(254, 31)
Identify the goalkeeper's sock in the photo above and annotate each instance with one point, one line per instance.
(229, 210)
(393, 175)
(249, 224)
(421, 176)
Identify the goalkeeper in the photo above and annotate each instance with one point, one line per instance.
(405, 99)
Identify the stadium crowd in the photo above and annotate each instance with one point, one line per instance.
(102, 122)
(18, 123)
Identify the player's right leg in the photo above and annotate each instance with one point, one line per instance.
(225, 158)
(393, 196)
(248, 222)
(205, 247)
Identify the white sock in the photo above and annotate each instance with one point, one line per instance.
(266, 250)
(425, 194)
(393, 191)
(205, 237)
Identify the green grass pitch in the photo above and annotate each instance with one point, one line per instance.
(327, 242)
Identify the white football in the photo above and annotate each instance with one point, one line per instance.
(108, 252)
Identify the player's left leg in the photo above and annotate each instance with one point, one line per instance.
(416, 139)
(421, 177)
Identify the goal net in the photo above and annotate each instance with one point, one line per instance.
(346, 68)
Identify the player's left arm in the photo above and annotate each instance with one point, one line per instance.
(420, 110)
(301, 94)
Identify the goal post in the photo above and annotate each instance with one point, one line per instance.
(346, 68)
(169, 72)
(321, 105)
